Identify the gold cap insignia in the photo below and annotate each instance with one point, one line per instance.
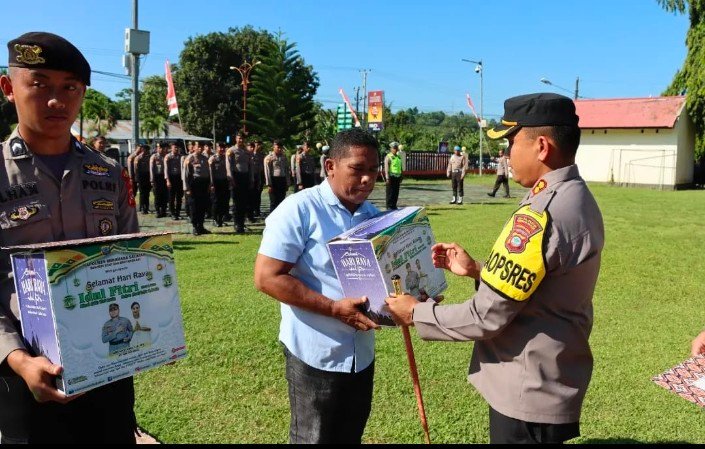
(29, 54)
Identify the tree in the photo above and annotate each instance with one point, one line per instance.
(691, 77)
(283, 87)
(123, 104)
(101, 110)
(154, 126)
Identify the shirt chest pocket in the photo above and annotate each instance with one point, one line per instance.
(25, 219)
(101, 214)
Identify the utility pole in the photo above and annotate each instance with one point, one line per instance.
(364, 95)
(135, 58)
(577, 83)
(357, 98)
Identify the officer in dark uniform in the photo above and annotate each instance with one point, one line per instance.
(172, 170)
(131, 168)
(197, 183)
(141, 162)
(239, 167)
(54, 188)
(220, 188)
(156, 176)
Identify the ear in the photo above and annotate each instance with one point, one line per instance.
(545, 148)
(330, 164)
(6, 86)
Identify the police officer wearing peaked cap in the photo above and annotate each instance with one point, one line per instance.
(54, 188)
(532, 314)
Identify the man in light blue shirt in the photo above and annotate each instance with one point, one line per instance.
(328, 341)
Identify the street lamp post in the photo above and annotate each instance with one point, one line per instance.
(244, 71)
(479, 68)
(575, 93)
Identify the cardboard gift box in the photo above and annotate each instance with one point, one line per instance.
(394, 242)
(104, 308)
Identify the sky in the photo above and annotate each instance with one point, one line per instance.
(412, 50)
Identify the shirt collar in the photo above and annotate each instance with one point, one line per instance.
(18, 148)
(331, 199)
(549, 181)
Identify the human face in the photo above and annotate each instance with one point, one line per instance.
(99, 145)
(114, 312)
(524, 158)
(238, 140)
(136, 311)
(175, 150)
(353, 177)
(277, 150)
(221, 150)
(47, 101)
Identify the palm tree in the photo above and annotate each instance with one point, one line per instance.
(155, 126)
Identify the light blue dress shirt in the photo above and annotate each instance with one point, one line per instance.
(297, 232)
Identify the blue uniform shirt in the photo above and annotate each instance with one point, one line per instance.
(297, 232)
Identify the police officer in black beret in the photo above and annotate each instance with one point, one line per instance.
(54, 188)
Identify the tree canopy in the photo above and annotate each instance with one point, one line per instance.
(691, 77)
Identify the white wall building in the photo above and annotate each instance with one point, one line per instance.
(636, 141)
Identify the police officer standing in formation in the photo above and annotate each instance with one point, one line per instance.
(187, 200)
(532, 313)
(239, 167)
(392, 175)
(54, 188)
(197, 183)
(306, 168)
(457, 166)
(324, 157)
(276, 175)
(132, 170)
(502, 175)
(141, 163)
(220, 187)
(172, 173)
(100, 144)
(257, 179)
(158, 179)
(294, 167)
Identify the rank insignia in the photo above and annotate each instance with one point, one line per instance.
(29, 54)
(541, 185)
(96, 170)
(18, 147)
(105, 226)
(23, 213)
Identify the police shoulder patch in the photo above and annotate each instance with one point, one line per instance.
(515, 266)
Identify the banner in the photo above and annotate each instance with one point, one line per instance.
(472, 107)
(375, 110)
(347, 102)
(170, 92)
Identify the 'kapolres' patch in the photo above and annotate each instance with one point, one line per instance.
(23, 213)
(515, 266)
(96, 170)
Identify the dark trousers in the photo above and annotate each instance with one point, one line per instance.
(176, 193)
(457, 182)
(256, 203)
(392, 191)
(506, 430)
(241, 199)
(327, 407)
(308, 180)
(161, 196)
(501, 181)
(145, 186)
(103, 415)
(221, 197)
(277, 193)
(199, 201)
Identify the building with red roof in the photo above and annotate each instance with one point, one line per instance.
(636, 141)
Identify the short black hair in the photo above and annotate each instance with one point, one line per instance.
(354, 137)
(135, 304)
(566, 137)
(113, 305)
(277, 142)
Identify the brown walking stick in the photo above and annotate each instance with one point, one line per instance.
(396, 282)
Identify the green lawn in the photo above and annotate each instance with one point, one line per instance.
(648, 306)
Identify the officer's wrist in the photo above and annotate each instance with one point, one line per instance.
(17, 360)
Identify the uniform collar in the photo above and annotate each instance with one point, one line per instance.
(17, 148)
(549, 181)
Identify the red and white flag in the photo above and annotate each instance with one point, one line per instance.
(170, 92)
(472, 107)
(347, 102)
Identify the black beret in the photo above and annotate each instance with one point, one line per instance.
(41, 50)
(542, 109)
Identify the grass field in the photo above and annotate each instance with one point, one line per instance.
(648, 306)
